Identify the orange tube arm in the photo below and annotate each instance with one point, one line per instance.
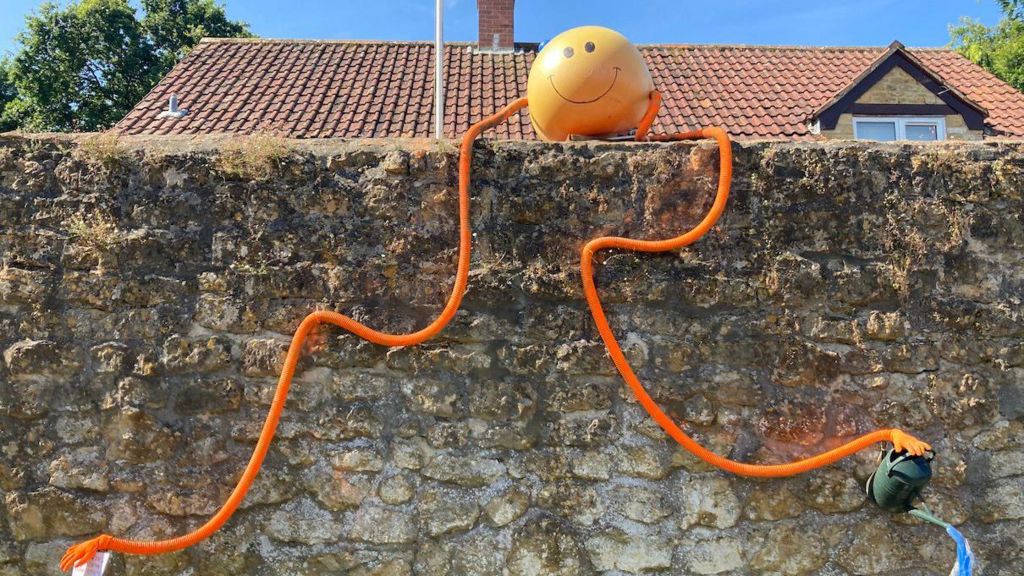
(901, 440)
(648, 120)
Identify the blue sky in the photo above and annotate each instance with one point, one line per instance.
(800, 22)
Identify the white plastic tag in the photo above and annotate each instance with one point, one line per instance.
(96, 567)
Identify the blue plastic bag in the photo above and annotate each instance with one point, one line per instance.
(964, 557)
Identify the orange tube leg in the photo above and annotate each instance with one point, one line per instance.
(82, 553)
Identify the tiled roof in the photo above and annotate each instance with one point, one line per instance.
(324, 89)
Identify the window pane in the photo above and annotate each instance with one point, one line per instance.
(883, 131)
(922, 132)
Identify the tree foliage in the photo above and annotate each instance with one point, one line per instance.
(175, 26)
(1013, 8)
(1000, 48)
(84, 66)
(7, 94)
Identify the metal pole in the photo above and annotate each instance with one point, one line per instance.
(439, 72)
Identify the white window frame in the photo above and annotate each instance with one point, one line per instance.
(901, 123)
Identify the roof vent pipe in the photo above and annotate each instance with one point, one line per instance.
(439, 71)
(172, 109)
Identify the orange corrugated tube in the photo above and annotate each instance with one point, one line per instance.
(900, 440)
(82, 553)
(653, 104)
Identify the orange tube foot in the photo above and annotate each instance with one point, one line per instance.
(81, 554)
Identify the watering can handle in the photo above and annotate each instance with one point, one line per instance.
(929, 456)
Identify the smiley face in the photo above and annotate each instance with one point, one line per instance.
(587, 81)
(569, 53)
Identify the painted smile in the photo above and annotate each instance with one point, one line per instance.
(605, 93)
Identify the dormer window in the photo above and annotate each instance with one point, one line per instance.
(899, 98)
(915, 128)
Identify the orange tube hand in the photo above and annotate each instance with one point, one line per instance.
(900, 439)
(903, 442)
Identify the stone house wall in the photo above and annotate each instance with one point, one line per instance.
(899, 87)
(148, 290)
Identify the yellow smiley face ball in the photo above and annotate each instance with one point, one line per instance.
(588, 81)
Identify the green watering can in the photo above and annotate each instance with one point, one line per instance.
(899, 479)
(898, 482)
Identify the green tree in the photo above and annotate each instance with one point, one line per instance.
(175, 26)
(1013, 8)
(1000, 48)
(84, 66)
(7, 94)
(81, 67)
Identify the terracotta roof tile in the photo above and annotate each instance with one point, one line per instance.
(310, 89)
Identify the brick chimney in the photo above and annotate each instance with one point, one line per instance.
(497, 25)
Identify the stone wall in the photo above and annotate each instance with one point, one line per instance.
(148, 290)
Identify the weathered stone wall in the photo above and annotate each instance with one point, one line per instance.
(146, 296)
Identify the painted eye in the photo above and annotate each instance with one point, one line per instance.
(590, 47)
(568, 52)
